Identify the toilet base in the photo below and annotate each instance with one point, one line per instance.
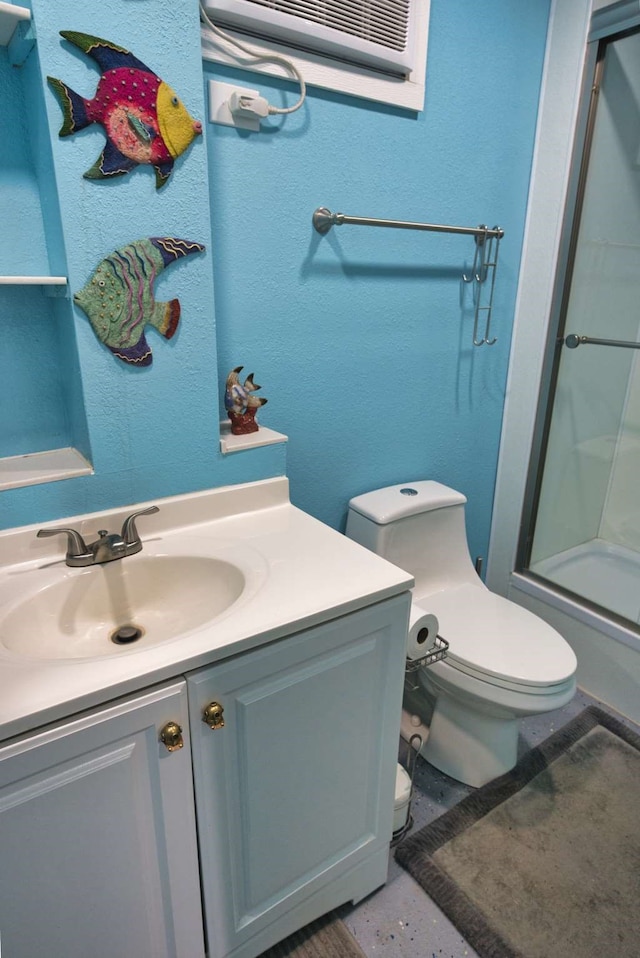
(470, 758)
(464, 742)
(469, 745)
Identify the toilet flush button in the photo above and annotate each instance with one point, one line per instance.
(408, 492)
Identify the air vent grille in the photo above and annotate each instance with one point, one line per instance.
(383, 22)
(377, 34)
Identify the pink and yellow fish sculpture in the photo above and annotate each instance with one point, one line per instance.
(144, 120)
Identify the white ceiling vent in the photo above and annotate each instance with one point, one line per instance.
(375, 33)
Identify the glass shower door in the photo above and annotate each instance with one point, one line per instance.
(585, 535)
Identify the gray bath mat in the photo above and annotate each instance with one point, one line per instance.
(327, 937)
(544, 862)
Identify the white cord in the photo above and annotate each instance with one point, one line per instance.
(258, 57)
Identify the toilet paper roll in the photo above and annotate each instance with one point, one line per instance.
(423, 631)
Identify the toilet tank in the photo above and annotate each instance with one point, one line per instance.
(420, 527)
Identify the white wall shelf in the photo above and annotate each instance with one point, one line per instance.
(263, 437)
(33, 280)
(10, 17)
(38, 467)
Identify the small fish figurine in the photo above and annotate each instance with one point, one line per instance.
(119, 300)
(144, 120)
(241, 404)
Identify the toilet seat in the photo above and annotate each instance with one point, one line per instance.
(502, 683)
(499, 642)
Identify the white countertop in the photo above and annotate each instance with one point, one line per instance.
(300, 573)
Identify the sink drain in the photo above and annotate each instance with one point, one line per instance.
(126, 634)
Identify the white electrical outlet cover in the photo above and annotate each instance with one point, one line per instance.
(219, 111)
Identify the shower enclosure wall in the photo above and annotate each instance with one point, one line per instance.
(583, 532)
(577, 561)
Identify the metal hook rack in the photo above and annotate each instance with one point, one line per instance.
(485, 260)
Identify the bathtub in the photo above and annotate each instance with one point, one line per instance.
(607, 647)
(603, 573)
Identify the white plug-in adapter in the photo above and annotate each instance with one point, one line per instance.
(243, 104)
(219, 112)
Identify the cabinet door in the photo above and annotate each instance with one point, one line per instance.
(98, 853)
(295, 792)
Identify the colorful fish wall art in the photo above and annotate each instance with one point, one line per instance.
(144, 120)
(119, 298)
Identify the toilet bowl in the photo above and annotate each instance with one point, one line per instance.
(503, 662)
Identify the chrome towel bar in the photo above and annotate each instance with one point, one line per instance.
(324, 219)
(573, 341)
(485, 259)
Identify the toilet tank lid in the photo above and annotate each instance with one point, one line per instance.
(405, 499)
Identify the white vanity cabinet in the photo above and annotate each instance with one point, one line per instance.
(98, 854)
(294, 774)
(294, 793)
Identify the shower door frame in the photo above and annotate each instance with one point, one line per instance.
(608, 653)
(562, 289)
(560, 135)
(606, 29)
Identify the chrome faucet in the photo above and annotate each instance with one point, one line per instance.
(107, 547)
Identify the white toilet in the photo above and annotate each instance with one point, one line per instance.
(503, 662)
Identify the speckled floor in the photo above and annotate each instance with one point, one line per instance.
(400, 920)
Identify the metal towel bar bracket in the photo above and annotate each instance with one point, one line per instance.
(485, 260)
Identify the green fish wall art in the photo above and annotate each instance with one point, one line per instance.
(119, 299)
(144, 120)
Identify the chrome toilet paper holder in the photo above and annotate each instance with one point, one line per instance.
(436, 653)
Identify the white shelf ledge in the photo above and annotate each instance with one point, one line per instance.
(263, 437)
(37, 467)
(10, 17)
(33, 280)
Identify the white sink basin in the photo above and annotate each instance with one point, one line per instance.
(123, 606)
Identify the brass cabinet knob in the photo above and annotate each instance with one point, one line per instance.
(171, 736)
(212, 715)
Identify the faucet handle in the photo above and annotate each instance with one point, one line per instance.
(76, 546)
(129, 531)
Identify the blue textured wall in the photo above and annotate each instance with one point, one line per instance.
(152, 432)
(33, 410)
(20, 200)
(358, 338)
